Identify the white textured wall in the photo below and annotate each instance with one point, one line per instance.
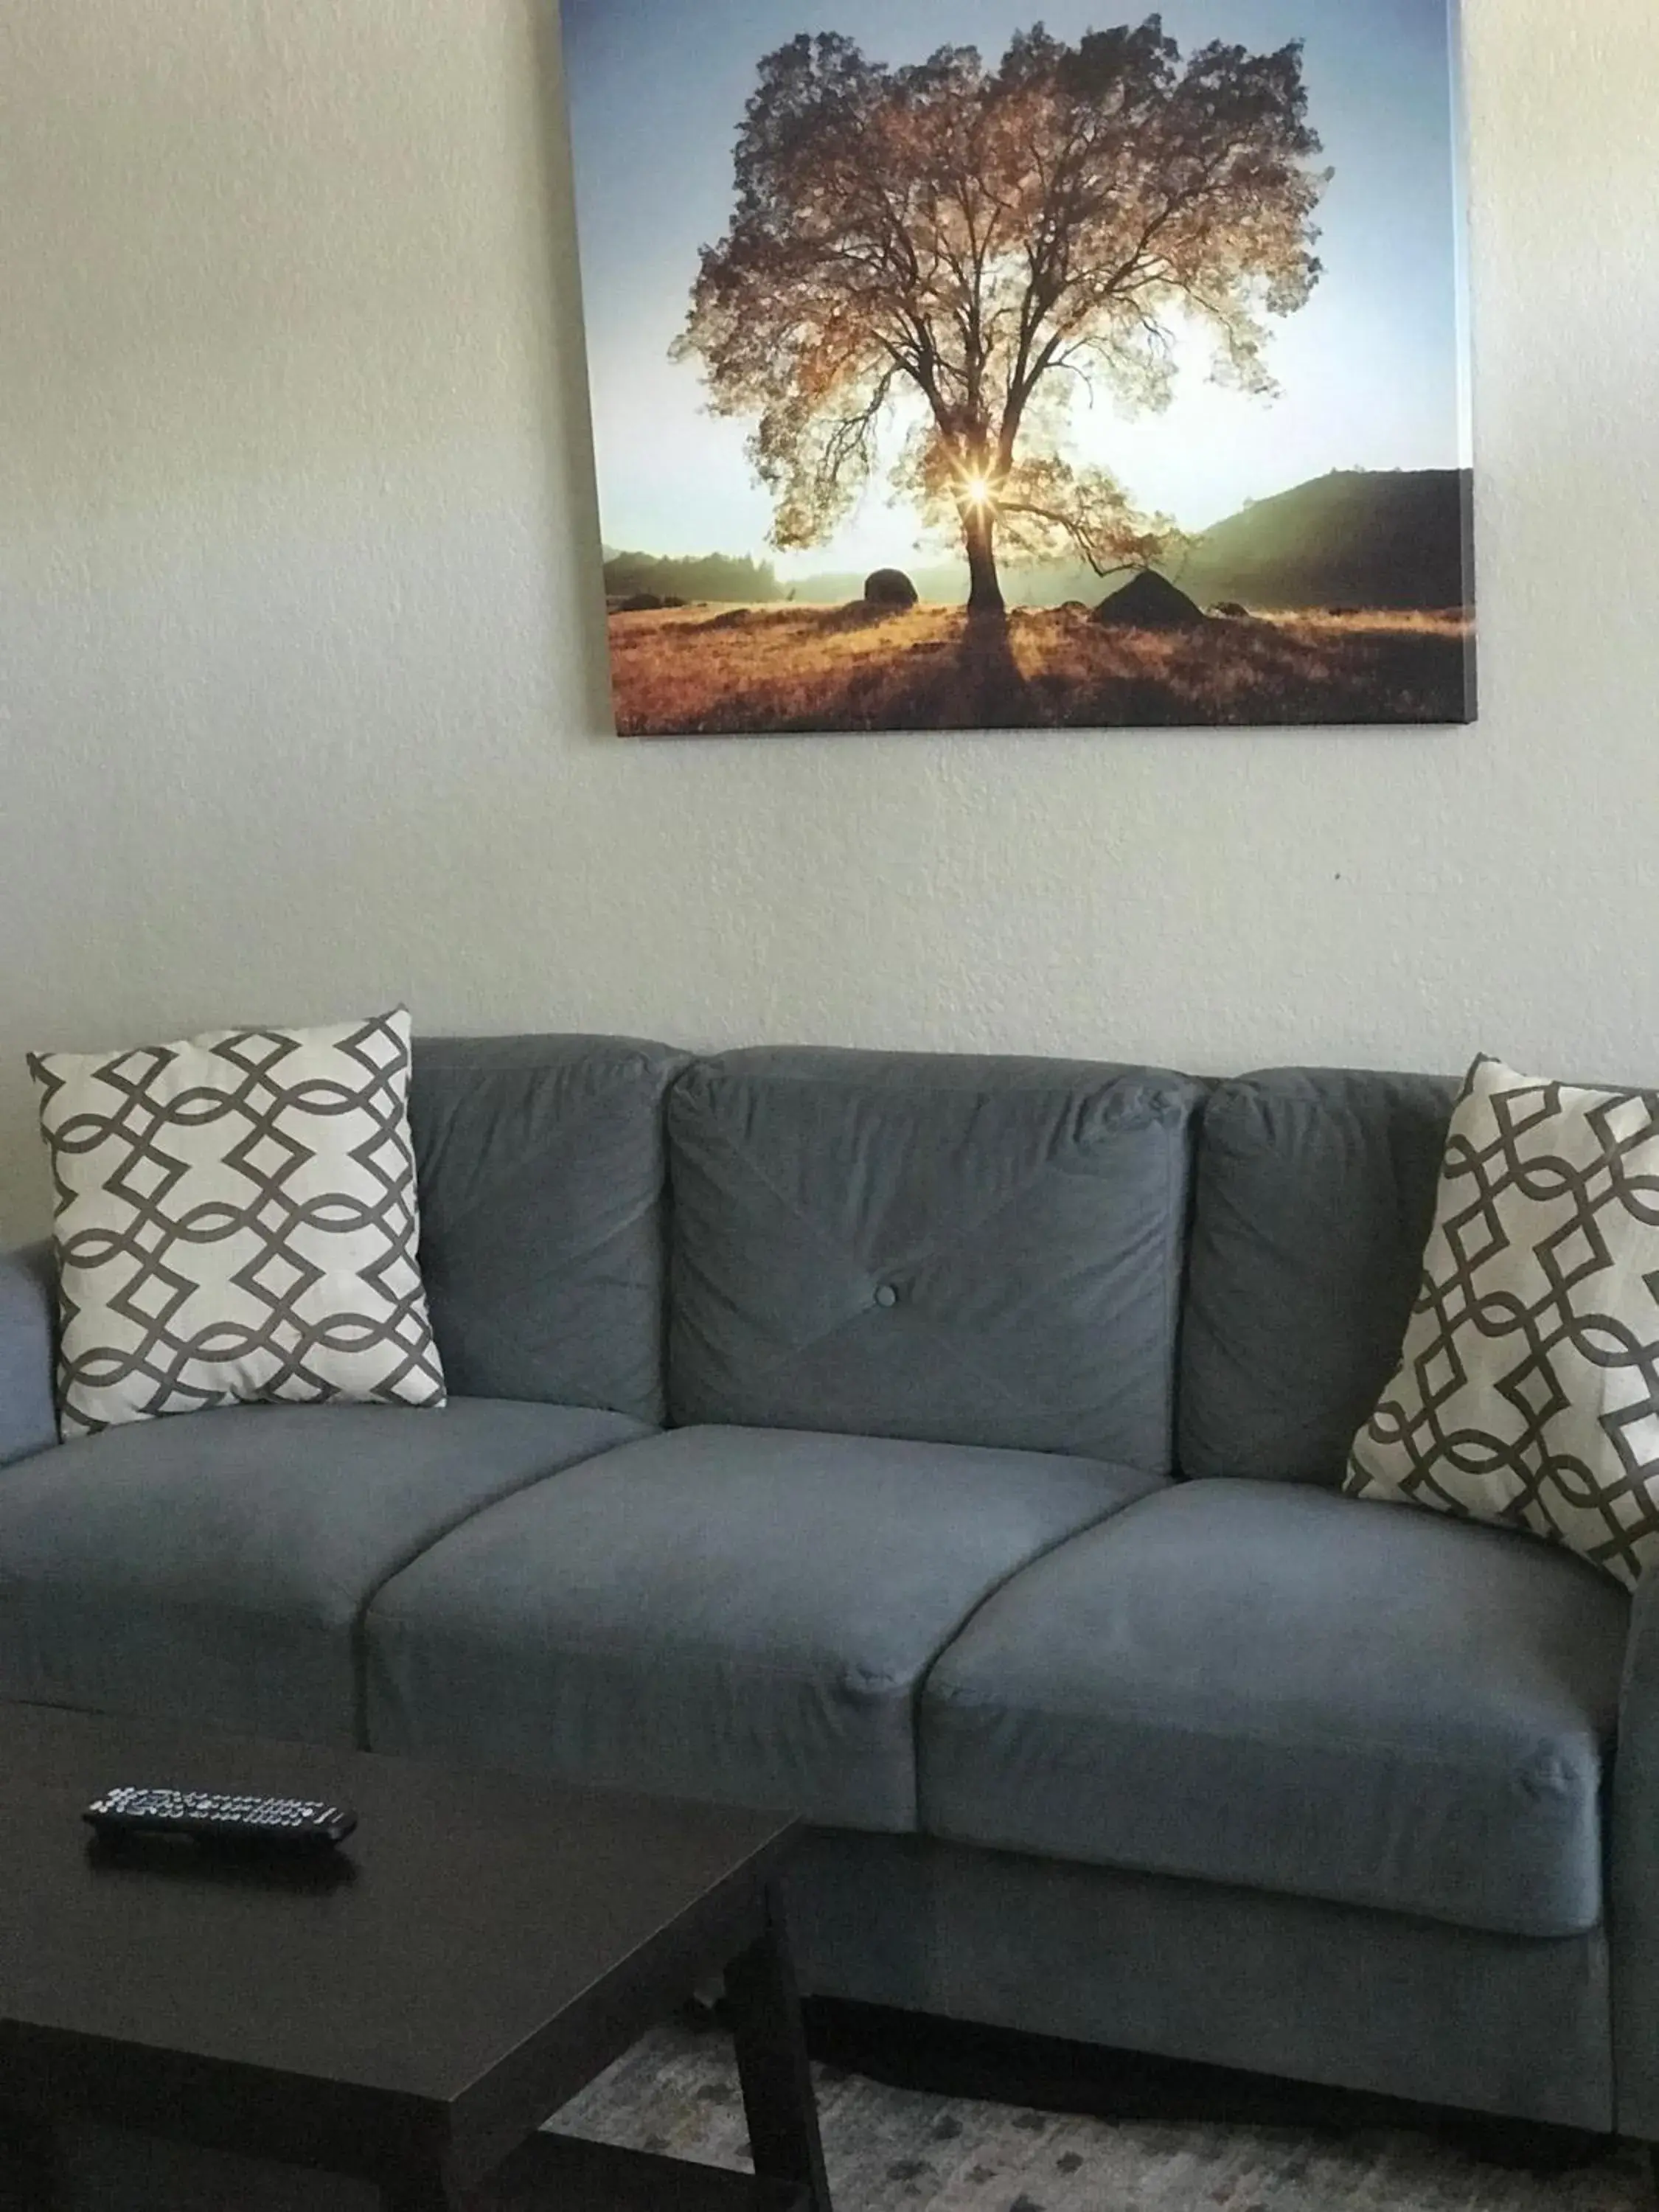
(302, 673)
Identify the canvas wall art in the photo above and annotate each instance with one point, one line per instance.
(968, 364)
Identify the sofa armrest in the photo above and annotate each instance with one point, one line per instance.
(28, 1418)
(1633, 1876)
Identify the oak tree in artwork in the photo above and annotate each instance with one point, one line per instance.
(964, 252)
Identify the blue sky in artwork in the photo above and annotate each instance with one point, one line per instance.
(1370, 373)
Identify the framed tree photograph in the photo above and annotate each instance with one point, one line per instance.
(956, 367)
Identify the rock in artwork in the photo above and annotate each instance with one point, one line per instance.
(954, 368)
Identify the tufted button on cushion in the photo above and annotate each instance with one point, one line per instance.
(1033, 1211)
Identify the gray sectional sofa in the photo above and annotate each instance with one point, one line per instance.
(946, 1449)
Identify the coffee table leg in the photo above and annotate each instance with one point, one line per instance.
(777, 2081)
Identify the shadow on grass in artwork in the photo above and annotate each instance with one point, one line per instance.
(767, 668)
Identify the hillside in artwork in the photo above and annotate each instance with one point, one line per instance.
(1355, 538)
(1360, 538)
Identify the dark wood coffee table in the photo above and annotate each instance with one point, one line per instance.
(408, 2011)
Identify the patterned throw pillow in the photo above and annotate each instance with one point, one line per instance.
(1528, 1390)
(237, 1221)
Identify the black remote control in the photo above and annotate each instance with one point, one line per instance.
(207, 1817)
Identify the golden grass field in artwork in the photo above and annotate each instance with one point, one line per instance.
(769, 670)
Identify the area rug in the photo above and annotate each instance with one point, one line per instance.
(899, 2150)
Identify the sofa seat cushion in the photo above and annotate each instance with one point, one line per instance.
(741, 1614)
(1269, 1686)
(214, 1567)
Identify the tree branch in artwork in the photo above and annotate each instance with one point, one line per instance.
(969, 249)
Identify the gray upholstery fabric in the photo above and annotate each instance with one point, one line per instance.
(542, 1243)
(725, 1613)
(976, 1251)
(28, 1421)
(1633, 1875)
(1314, 1192)
(212, 1567)
(1265, 1684)
(1234, 1978)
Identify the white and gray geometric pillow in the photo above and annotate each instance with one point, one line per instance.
(237, 1221)
(1528, 1390)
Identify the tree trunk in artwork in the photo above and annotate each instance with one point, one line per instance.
(984, 589)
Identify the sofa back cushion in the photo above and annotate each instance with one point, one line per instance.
(1315, 1191)
(540, 1163)
(966, 1250)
